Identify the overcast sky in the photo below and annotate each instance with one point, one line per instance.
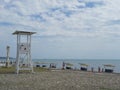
(65, 28)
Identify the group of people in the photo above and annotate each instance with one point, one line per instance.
(99, 69)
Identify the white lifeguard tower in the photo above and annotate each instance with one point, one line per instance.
(23, 56)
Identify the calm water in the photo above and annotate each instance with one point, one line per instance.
(95, 63)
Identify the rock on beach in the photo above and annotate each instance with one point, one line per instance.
(60, 80)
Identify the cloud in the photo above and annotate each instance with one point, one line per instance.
(70, 18)
(90, 3)
(71, 28)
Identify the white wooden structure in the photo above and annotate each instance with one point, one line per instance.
(23, 56)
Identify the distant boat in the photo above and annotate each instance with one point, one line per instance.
(69, 65)
(83, 66)
(52, 65)
(41, 64)
(109, 68)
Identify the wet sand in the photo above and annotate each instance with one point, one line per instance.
(60, 80)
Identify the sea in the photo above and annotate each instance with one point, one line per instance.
(92, 63)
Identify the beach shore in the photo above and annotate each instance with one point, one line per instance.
(60, 80)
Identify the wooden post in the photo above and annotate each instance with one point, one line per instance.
(7, 57)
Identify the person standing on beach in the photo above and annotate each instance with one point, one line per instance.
(63, 65)
(92, 69)
(99, 69)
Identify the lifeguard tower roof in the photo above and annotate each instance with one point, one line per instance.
(23, 32)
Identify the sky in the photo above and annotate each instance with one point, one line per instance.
(65, 29)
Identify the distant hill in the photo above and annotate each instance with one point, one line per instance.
(5, 58)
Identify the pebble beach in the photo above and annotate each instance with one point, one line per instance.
(60, 80)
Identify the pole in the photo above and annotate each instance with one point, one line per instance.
(7, 58)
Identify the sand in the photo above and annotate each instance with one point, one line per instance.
(60, 80)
